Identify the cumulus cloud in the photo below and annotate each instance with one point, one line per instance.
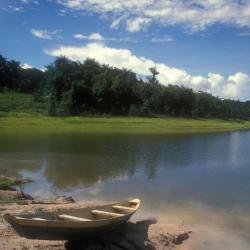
(45, 34)
(235, 86)
(195, 15)
(26, 66)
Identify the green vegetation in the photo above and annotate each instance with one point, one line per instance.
(14, 77)
(7, 183)
(74, 88)
(70, 88)
(18, 103)
(26, 115)
(43, 124)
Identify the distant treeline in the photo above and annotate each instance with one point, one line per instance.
(74, 88)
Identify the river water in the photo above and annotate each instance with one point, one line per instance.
(200, 180)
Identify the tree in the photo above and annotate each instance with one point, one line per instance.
(9, 73)
(31, 80)
(75, 88)
(154, 73)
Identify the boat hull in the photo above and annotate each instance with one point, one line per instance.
(54, 228)
(68, 232)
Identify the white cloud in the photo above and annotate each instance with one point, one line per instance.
(13, 8)
(29, 1)
(164, 39)
(92, 36)
(80, 36)
(25, 1)
(195, 15)
(62, 12)
(43, 69)
(45, 34)
(16, 5)
(98, 37)
(26, 66)
(116, 22)
(235, 86)
(238, 86)
(134, 25)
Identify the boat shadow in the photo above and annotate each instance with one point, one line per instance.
(132, 236)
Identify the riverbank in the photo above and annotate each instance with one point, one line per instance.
(144, 234)
(25, 122)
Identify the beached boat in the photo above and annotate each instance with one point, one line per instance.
(73, 225)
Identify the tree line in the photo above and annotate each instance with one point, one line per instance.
(14, 77)
(74, 88)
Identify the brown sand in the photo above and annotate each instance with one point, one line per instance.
(145, 234)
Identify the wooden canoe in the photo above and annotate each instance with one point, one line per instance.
(73, 225)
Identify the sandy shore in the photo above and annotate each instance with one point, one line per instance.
(144, 234)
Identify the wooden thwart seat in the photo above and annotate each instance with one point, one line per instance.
(123, 208)
(38, 219)
(19, 218)
(105, 213)
(71, 218)
(22, 218)
(78, 224)
(134, 201)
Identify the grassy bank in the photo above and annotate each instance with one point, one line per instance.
(19, 112)
(117, 125)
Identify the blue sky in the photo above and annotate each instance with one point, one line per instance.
(202, 44)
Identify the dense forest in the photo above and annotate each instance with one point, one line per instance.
(74, 88)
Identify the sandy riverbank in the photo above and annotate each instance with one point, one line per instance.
(144, 234)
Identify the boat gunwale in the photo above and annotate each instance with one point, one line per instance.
(65, 223)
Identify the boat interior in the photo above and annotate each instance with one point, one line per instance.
(87, 214)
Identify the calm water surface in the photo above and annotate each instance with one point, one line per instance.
(189, 179)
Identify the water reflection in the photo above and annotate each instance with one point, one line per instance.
(190, 177)
(213, 168)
